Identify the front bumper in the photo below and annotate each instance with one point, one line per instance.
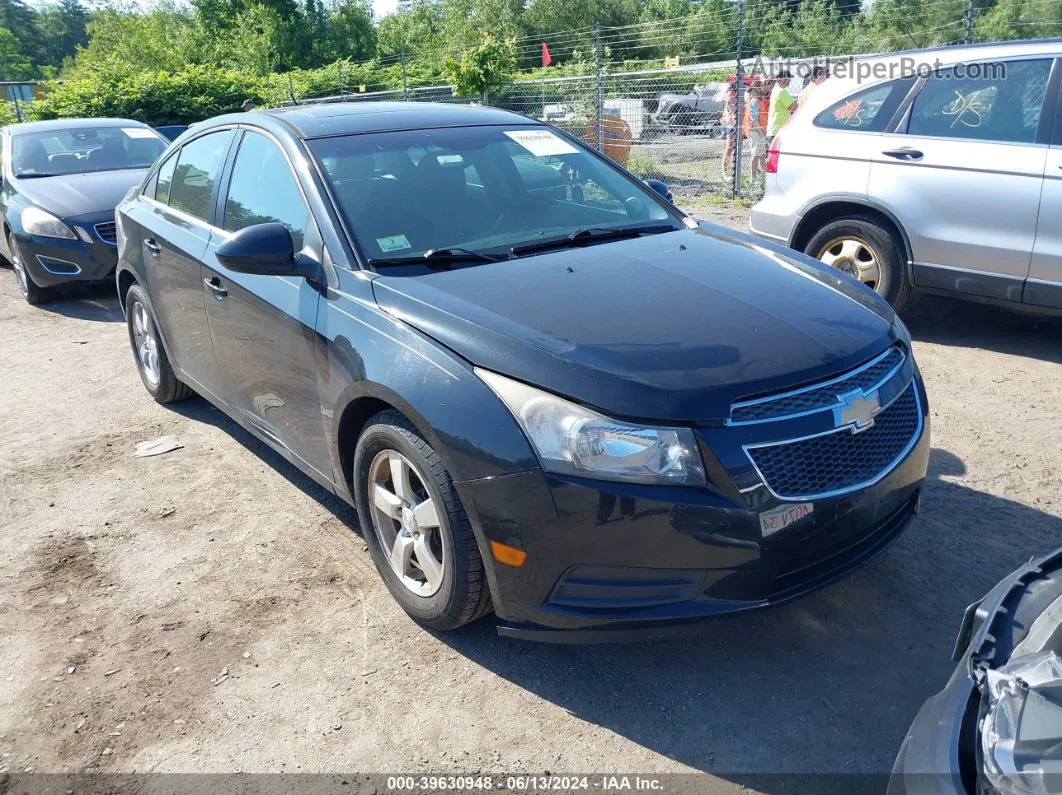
(612, 561)
(53, 261)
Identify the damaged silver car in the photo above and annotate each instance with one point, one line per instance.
(996, 728)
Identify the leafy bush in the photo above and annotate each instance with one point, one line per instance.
(193, 94)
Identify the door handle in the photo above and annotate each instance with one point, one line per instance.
(152, 246)
(904, 153)
(213, 283)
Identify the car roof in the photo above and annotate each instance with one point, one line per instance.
(69, 124)
(345, 118)
(943, 56)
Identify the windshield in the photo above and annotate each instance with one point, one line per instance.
(84, 149)
(481, 189)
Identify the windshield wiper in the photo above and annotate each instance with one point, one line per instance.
(592, 234)
(438, 258)
(36, 176)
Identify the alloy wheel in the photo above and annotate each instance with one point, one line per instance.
(855, 257)
(146, 343)
(406, 522)
(16, 263)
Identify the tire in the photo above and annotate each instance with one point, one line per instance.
(154, 367)
(838, 243)
(34, 294)
(458, 593)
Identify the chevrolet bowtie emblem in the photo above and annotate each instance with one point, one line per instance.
(857, 410)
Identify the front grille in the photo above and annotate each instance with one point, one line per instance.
(841, 460)
(817, 398)
(108, 232)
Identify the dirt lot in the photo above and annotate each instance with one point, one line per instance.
(211, 609)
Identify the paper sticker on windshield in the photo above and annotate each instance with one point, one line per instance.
(392, 243)
(140, 132)
(784, 515)
(541, 143)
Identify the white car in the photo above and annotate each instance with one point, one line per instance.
(940, 172)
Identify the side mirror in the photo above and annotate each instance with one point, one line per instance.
(660, 187)
(263, 249)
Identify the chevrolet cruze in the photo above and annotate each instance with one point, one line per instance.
(548, 392)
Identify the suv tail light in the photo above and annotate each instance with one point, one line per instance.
(773, 152)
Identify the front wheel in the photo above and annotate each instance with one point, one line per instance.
(33, 294)
(865, 250)
(415, 527)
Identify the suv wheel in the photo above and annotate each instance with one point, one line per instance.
(415, 526)
(151, 360)
(33, 294)
(863, 249)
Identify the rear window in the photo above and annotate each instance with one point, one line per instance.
(868, 110)
(198, 167)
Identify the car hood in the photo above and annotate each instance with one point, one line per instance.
(665, 327)
(73, 195)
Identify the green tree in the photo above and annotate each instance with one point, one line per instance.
(349, 32)
(412, 32)
(13, 64)
(62, 29)
(162, 39)
(485, 66)
(21, 21)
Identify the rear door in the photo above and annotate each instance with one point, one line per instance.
(175, 216)
(263, 326)
(1044, 285)
(963, 171)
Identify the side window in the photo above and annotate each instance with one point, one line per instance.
(983, 102)
(263, 190)
(198, 167)
(868, 110)
(160, 190)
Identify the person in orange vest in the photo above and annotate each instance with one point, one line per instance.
(754, 124)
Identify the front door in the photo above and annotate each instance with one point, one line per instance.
(174, 215)
(963, 175)
(263, 326)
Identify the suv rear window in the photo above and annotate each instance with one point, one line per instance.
(868, 110)
(984, 102)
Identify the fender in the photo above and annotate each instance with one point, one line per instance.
(367, 355)
(849, 198)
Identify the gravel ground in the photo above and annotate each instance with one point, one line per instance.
(211, 609)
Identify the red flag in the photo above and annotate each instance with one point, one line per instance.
(547, 59)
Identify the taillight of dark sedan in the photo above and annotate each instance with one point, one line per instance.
(548, 392)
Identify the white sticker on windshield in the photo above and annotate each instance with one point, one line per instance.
(139, 132)
(392, 243)
(541, 143)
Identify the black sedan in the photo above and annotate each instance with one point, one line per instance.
(61, 181)
(547, 391)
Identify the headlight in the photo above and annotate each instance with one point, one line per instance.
(43, 224)
(574, 440)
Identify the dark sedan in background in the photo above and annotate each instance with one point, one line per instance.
(61, 181)
(559, 398)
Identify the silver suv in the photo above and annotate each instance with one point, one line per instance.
(942, 172)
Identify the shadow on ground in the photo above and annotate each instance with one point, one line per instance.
(948, 321)
(87, 302)
(826, 684)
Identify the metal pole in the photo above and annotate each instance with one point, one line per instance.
(740, 84)
(600, 61)
(405, 82)
(18, 110)
(969, 21)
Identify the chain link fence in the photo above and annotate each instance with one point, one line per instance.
(666, 99)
